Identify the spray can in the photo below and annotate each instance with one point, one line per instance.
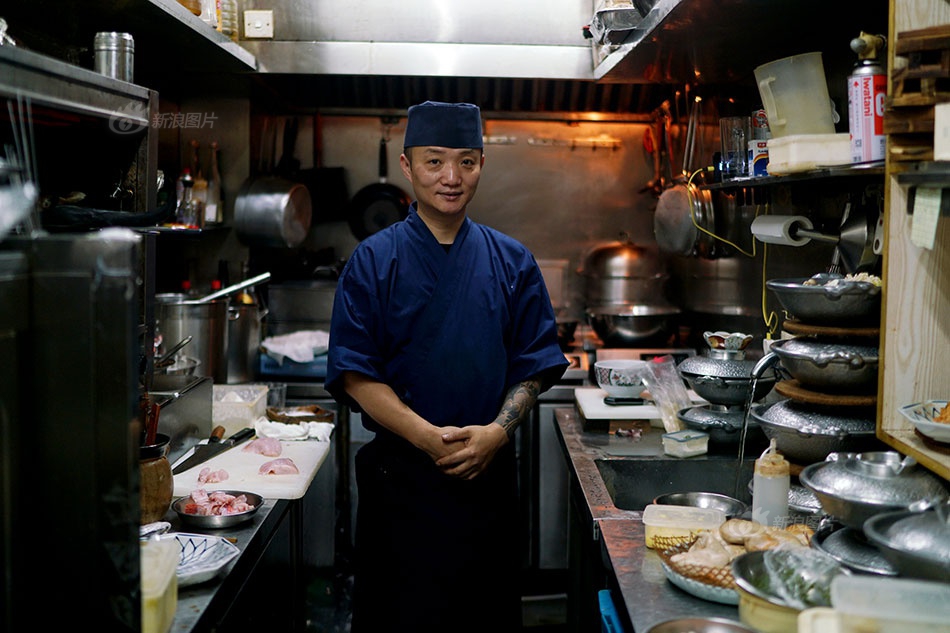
(867, 87)
(770, 485)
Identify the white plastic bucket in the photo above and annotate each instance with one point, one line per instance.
(794, 93)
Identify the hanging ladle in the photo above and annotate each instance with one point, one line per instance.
(224, 292)
(168, 357)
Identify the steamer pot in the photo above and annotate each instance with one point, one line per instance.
(621, 272)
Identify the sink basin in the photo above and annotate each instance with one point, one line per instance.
(633, 483)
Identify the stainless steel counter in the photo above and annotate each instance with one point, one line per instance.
(637, 578)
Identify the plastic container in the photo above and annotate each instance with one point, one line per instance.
(770, 485)
(159, 584)
(686, 443)
(891, 605)
(794, 92)
(803, 152)
(237, 406)
(670, 521)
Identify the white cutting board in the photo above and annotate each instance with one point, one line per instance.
(243, 468)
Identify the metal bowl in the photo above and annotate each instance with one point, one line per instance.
(789, 578)
(723, 424)
(844, 304)
(854, 488)
(216, 521)
(809, 433)
(829, 364)
(632, 325)
(730, 506)
(699, 625)
(916, 543)
(719, 390)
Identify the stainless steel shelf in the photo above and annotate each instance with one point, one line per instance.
(170, 41)
(723, 41)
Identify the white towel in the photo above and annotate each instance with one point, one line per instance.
(319, 431)
(301, 346)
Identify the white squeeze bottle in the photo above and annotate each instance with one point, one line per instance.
(770, 488)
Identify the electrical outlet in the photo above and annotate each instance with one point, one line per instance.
(259, 24)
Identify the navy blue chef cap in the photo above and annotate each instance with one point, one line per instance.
(437, 124)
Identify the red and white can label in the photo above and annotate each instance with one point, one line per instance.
(866, 116)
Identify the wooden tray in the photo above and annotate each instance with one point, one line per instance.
(797, 327)
(794, 390)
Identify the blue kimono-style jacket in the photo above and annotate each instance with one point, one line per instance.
(450, 332)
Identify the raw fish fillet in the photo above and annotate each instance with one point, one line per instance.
(267, 446)
(279, 466)
(208, 476)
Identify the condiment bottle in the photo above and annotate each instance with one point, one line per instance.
(770, 484)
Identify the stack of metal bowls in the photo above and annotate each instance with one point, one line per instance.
(723, 377)
(625, 293)
(889, 516)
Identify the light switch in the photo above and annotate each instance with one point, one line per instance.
(259, 24)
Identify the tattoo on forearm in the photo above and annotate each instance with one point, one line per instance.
(518, 405)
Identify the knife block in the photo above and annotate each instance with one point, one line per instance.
(185, 416)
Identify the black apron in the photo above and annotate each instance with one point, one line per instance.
(433, 552)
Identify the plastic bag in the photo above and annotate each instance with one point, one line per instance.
(667, 390)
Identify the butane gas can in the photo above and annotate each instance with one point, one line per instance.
(867, 87)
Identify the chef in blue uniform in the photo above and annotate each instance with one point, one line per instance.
(442, 336)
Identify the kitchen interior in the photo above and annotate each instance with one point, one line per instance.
(604, 150)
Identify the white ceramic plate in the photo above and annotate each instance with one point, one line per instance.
(202, 556)
(921, 415)
(701, 589)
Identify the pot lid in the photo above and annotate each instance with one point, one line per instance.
(717, 367)
(822, 351)
(816, 420)
(925, 533)
(623, 259)
(880, 477)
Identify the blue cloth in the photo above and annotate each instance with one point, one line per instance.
(496, 329)
(437, 124)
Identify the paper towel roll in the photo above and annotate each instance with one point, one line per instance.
(781, 229)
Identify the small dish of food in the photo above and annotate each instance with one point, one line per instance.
(217, 508)
(931, 417)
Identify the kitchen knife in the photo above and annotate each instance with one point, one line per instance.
(215, 446)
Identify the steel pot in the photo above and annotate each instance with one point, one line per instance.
(621, 272)
(855, 487)
(206, 323)
(842, 304)
(829, 364)
(244, 341)
(809, 433)
(272, 212)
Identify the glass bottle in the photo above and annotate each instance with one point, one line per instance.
(187, 206)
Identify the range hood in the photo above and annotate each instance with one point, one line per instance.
(489, 38)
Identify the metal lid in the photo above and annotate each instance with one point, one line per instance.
(879, 477)
(924, 533)
(623, 259)
(112, 40)
(810, 419)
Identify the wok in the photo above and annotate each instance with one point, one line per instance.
(376, 206)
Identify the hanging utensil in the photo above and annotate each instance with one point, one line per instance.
(224, 292)
(168, 357)
(376, 206)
